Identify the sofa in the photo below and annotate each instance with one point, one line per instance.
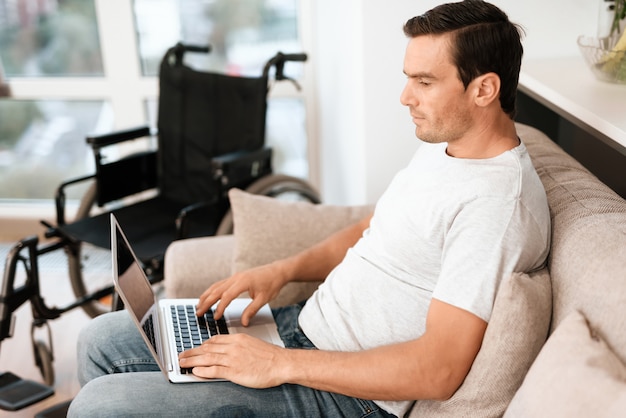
(556, 343)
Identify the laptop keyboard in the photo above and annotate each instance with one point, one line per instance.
(148, 328)
(191, 331)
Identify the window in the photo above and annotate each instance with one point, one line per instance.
(49, 38)
(243, 34)
(76, 67)
(42, 144)
(39, 136)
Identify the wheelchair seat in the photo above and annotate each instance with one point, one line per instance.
(151, 234)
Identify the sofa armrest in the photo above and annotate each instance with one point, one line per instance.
(192, 265)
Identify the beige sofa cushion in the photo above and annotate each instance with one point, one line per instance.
(192, 265)
(268, 229)
(516, 332)
(575, 375)
(588, 252)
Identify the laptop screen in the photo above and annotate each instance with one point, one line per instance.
(132, 282)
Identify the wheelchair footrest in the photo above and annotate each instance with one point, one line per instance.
(17, 393)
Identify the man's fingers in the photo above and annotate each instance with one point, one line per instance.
(222, 305)
(203, 306)
(209, 298)
(212, 346)
(211, 372)
(250, 311)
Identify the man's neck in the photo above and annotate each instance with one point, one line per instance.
(485, 141)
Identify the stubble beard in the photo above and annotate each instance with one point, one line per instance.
(438, 131)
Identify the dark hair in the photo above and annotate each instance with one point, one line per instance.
(483, 41)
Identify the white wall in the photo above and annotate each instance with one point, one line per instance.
(365, 134)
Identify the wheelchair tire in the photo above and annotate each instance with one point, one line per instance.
(43, 359)
(278, 186)
(87, 202)
(77, 254)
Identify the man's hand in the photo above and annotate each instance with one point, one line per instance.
(240, 358)
(262, 284)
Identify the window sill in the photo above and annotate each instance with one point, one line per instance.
(22, 219)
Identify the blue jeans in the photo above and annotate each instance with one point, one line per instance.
(110, 348)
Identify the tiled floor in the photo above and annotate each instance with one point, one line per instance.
(16, 354)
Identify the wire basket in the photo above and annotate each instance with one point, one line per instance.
(606, 63)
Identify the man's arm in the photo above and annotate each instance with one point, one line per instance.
(263, 283)
(430, 367)
(318, 261)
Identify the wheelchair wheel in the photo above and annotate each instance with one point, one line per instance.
(89, 266)
(43, 359)
(278, 186)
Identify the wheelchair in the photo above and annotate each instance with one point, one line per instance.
(210, 138)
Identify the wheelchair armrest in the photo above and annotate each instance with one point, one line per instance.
(100, 141)
(237, 169)
(232, 157)
(59, 197)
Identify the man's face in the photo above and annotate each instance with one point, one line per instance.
(434, 93)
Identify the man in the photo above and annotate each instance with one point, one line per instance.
(408, 291)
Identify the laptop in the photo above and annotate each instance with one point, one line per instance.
(169, 326)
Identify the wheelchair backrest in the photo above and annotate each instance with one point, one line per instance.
(203, 115)
(211, 135)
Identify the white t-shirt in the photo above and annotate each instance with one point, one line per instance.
(446, 228)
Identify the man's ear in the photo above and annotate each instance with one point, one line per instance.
(487, 89)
